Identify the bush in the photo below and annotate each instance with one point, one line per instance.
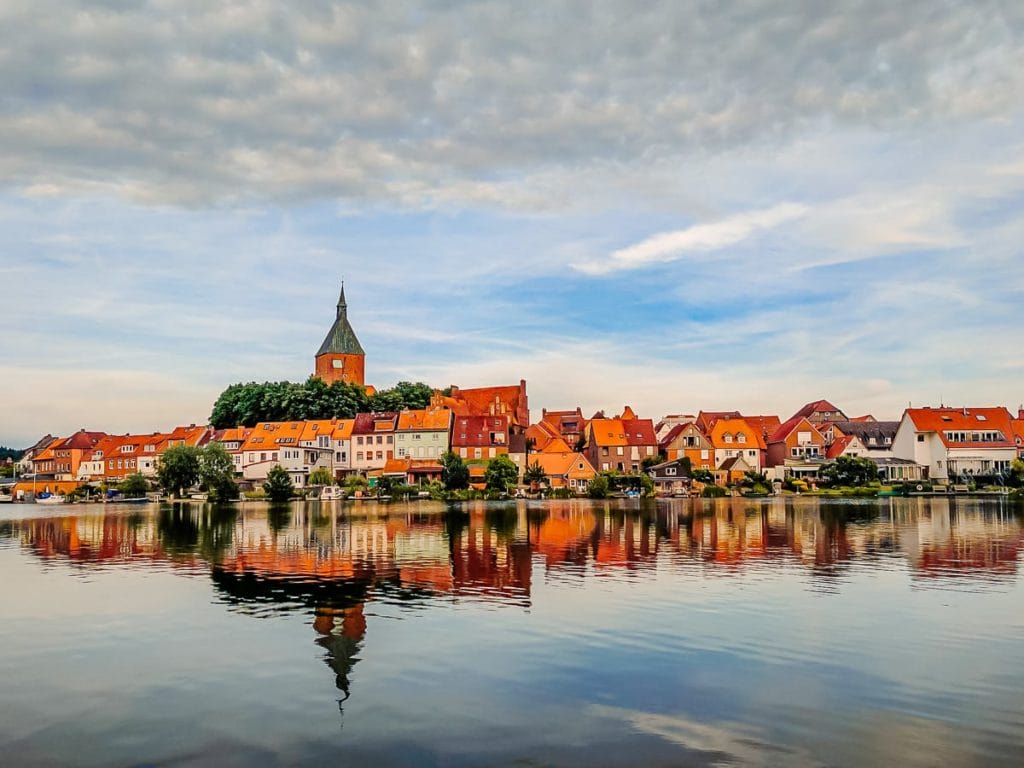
(134, 486)
(561, 493)
(279, 485)
(713, 491)
(598, 487)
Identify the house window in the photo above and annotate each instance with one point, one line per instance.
(619, 450)
(741, 438)
(704, 454)
(359, 455)
(477, 453)
(380, 454)
(670, 470)
(727, 437)
(359, 440)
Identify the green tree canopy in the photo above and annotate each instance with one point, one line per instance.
(217, 472)
(178, 469)
(134, 486)
(535, 474)
(849, 470)
(598, 487)
(454, 472)
(501, 473)
(321, 476)
(278, 485)
(248, 404)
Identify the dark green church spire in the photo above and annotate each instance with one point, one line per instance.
(341, 339)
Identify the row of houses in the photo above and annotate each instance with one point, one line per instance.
(937, 444)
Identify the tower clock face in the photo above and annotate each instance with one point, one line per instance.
(338, 363)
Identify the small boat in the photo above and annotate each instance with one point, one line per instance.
(200, 496)
(6, 498)
(331, 493)
(133, 500)
(50, 498)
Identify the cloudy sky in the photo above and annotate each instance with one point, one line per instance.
(677, 205)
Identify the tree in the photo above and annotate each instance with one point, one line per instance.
(278, 485)
(646, 484)
(598, 487)
(849, 470)
(248, 404)
(134, 486)
(454, 472)
(1016, 476)
(217, 472)
(501, 473)
(535, 475)
(650, 461)
(321, 476)
(703, 475)
(178, 469)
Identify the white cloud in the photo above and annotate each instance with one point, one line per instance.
(669, 246)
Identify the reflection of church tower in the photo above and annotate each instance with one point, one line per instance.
(341, 631)
(341, 358)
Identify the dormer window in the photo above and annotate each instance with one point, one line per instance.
(741, 438)
(727, 437)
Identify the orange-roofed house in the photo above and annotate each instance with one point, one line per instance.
(571, 426)
(540, 435)
(620, 445)
(129, 454)
(280, 442)
(423, 434)
(341, 442)
(44, 462)
(414, 471)
(734, 438)
(233, 439)
(93, 466)
(569, 470)
(69, 453)
(706, 419)
(956, 444)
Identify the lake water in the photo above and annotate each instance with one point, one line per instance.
(727, 632)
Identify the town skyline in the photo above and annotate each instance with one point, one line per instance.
(679, 212)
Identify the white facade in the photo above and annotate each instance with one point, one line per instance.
(927, 448)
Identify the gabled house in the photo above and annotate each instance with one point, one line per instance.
(620, 444)
(687, 440)
(480, 438)
(875, 437)
(670, 478)
(569, 470)
(820, 412)
(25, 465)
(733, 470)
(373, 440)
(706, 419)
(69, 452)
(571, 426)
(956, 444)
(733, 437)
(798, 447)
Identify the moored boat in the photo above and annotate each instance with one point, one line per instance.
(331, 493)
(51, 499)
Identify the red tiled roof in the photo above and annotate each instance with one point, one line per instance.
(639, 431)
(815, 407)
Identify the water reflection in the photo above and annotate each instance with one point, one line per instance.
(325, 561)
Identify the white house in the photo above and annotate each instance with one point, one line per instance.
(956, 443)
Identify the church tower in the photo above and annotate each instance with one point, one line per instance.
(341, 358)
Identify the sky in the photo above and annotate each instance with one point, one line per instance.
(679, 205)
